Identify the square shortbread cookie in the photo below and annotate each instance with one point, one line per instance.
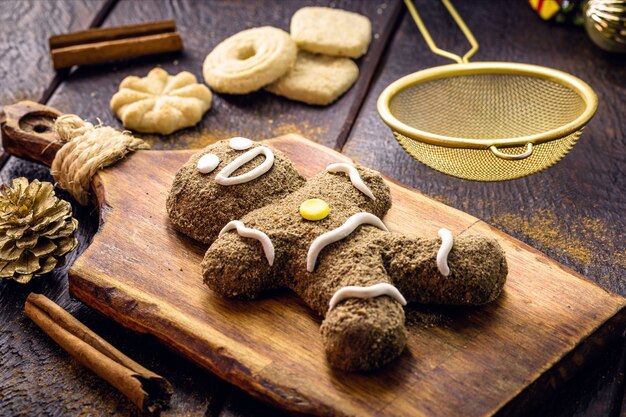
(331, 31)
(316, 79)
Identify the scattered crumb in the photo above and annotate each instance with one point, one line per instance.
(303, 128)
(254, 129)
(580, 240)
(422, 317)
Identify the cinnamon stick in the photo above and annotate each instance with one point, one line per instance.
(147, 390)
(95, 46)
(109, 34)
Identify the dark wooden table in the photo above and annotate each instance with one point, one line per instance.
(574, 211)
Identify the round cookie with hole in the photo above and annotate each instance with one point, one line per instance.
(249, 60)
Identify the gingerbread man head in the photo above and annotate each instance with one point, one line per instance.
(325, 240)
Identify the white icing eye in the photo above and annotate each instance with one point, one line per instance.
(207, 163)
(240, 144)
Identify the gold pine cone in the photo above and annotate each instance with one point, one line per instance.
(36, 229)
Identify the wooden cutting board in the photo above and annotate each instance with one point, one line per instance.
(496, 359)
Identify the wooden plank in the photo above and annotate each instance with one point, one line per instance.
(25, 67)
(537, 334)
(258, 115)
(34, 371)
(37, 377)
(573, 212)
(90, 393)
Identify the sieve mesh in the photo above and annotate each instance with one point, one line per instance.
(487, 106)
(482, 164)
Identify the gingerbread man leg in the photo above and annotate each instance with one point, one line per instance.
(359, 334)
(363, 334)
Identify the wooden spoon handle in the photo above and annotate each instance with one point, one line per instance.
(28, 131)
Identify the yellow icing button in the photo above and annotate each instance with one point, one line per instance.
(314, 209)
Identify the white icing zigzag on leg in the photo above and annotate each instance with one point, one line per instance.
(372, 291)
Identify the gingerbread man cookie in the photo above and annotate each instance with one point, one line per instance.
(342, 261)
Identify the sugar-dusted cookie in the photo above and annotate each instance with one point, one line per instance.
(316, 79)
(249, 60)
(325, 240)
(331, 31)
(160, 102)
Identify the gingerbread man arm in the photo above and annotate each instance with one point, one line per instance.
(477, 267)
(237, 267)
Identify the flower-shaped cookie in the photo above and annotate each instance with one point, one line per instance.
(160, 102)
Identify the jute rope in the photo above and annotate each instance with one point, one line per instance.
(86, 150)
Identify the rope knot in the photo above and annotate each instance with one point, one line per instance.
(69, 126)
(86, 150)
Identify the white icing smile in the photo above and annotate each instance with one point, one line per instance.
(243, 231)
(372, 291)
(223, 177)
(444, 250)
(207, 163)
(339, 233)
(240, 144)
(355, 177)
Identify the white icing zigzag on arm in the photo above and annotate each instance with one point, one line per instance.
(223, 177)
(355, 177)
(242, 230)
(339, 233)
(372, 291)
(444, 250)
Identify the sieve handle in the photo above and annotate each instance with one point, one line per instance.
(429, 40)
(513, 157)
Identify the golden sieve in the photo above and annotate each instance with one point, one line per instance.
(487, 121)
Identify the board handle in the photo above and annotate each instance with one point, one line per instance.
(28, 131)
